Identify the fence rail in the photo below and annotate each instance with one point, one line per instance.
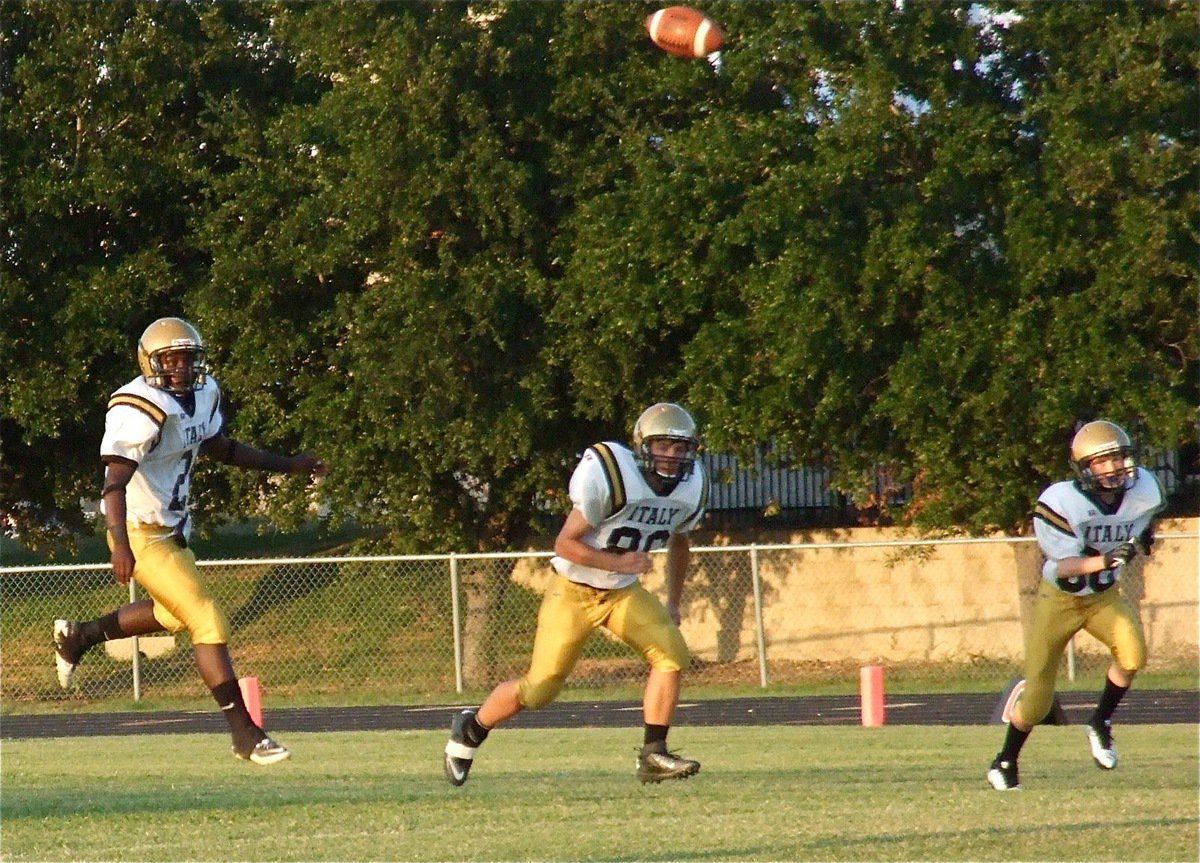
(756, 484)
(417, 628)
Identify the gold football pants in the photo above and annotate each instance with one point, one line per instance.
(168, 573)
(1057, 616)
(570, 612)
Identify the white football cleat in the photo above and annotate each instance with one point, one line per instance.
(66, 651)
(1003, 776)
(266, 751)
(1104, 751)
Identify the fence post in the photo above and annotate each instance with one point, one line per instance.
(758, 617)
(457, 623)
(1071, 659)
(137, 653)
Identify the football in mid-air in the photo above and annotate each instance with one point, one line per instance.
(684, 32)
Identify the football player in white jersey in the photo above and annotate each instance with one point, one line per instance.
(626, 503)
(156, 427)
(1089, 529)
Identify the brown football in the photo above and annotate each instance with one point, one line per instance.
(684, 32)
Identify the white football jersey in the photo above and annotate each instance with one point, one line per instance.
(609, 489)
(155, 430)
(1071, 523)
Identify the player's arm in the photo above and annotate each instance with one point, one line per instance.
(1066, 550)
(1070, 567)
(230, 451)
(117, 474)
(679, 555)
(569, 545)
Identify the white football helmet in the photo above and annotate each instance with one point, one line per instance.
(173, 336)
(1103, 439)
(665, 420)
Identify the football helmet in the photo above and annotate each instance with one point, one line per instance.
(665, 420)
(172, 336)
(1103, 439)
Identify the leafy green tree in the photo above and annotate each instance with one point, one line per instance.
(376, 263)
(855, 278)
(105, 165)
(1091, 311)
(449, 244)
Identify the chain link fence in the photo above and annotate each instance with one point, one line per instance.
(415, 629)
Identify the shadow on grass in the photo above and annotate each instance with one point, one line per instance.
(1100, 825)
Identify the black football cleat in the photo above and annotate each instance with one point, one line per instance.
(458, 756)
(655, 763)
(265, 751)
(1003, 776)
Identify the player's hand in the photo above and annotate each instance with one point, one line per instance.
(310, 464)
(1146, 539)
(122, 564)
(632, 562)
(1120, 555)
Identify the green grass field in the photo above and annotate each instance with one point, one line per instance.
(771, 793)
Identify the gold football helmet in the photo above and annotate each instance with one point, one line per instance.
(172, 356)
(665, 420)
(1103, 439)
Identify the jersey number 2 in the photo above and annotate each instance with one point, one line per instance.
(178, 502)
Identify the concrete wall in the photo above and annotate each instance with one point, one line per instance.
(955, 601)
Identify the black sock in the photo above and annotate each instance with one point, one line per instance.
(1109, 699)
(106, 628)
(1013, 741)
(655, 735)
(474, 731)
(229, 698)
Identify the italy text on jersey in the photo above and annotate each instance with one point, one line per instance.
(610, 490)
(1069, 523)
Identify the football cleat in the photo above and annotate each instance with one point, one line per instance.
(265, 751)
(66, 651)
(458, 756)
(1003, 776)
(1104, 751)
(655, 765)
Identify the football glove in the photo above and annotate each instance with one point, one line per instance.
(1146, 539)
(1120, 555)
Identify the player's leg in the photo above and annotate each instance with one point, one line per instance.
(169, 574)
(568, 614)
(1056, 617)
(72, 639)
(1113, 623)
(661, 697)
(642, 622)
(468, 730)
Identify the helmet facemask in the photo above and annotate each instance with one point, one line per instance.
(666, 466)
(1119, 474)
(1103, 442)
(172, 357)
(178, 370)
(666, 422)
